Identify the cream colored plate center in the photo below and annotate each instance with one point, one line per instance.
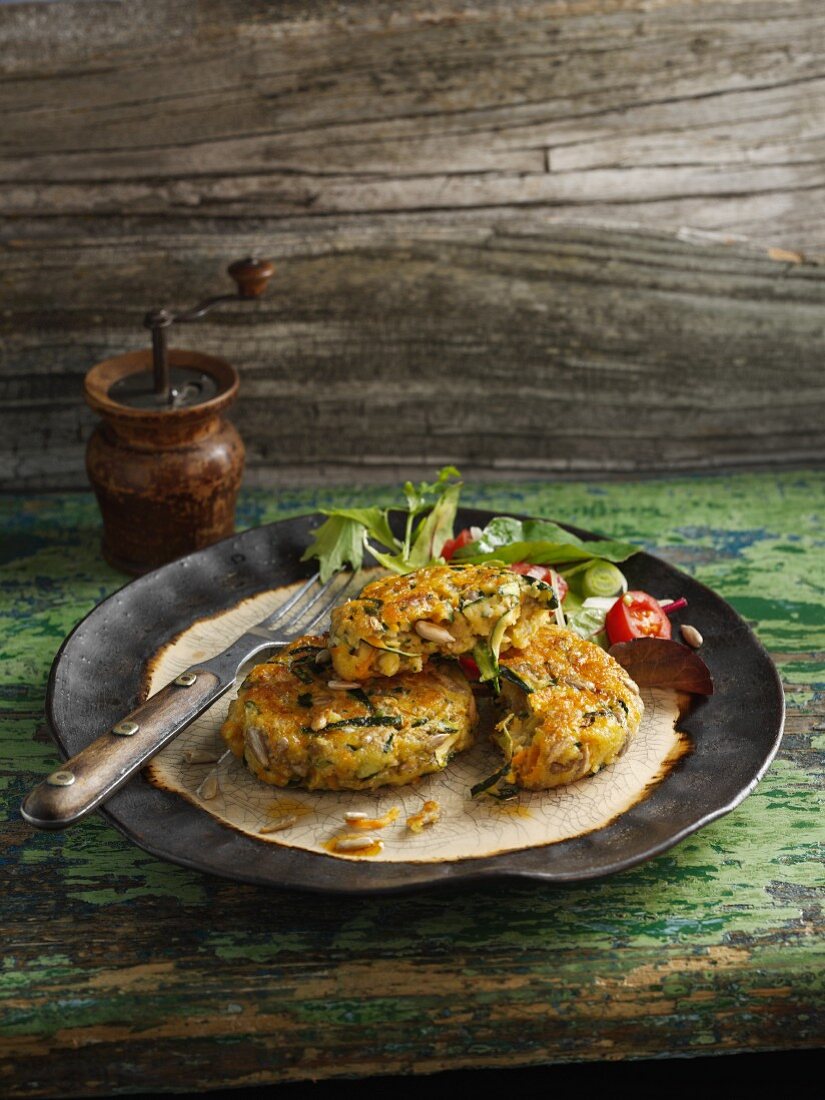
(468, 829)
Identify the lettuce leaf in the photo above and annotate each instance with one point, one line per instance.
(339, 541)
(434, 531)
(587, 622)
(540, 542)
(347, 533)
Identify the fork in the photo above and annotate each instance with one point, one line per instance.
(86, 780)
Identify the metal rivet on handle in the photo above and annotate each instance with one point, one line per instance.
(125, 729)
(60, 779)
(186, 679)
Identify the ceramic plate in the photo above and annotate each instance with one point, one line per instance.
(104, 669)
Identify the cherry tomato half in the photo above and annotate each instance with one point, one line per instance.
(542, 573)
(636, 615)
(451, 545)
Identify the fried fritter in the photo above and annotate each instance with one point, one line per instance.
(397, 623)
(293, 729)
(572, 709)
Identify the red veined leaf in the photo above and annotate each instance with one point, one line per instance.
(660, 662)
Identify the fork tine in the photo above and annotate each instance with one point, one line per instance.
(285, 626)
(298, 615)
(287, 605)
(276, 621)
(329, 604)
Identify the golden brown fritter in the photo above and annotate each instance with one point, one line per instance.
(398, 622)
(572, 709)
(293, 729)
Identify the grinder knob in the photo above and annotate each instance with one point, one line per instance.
(251, 276)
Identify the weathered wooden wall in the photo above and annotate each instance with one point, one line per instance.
(522, 236)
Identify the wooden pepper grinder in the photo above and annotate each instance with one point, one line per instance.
(165, 463)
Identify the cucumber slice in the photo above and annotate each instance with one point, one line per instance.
(603, 579)
(497, 637)
(487, 665)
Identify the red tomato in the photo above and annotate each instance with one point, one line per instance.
(542, 573)
(470, 668)
(451, 545)
(636, 615)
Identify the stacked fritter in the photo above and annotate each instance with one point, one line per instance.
(398, 705)
(291, 727)
(398, 623)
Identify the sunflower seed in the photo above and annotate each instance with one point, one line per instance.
(323, 657)
(357, 820)
(209, 787)
(255, 744)
(431, 632)
(281, 823)
(440, 738)
(692, 636)
(342, 685)
(199, 756)
(354, 843)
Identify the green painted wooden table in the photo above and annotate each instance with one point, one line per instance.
(122, 973)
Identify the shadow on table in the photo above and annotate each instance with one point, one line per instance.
(730, 1070)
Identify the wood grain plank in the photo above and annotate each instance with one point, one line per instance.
(493, 223)
(673, 113)
(503, 344)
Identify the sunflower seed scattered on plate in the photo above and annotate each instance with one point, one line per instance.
(200, 756)
(281, 823)
(355, 843)
(692, 636)
(209, 787)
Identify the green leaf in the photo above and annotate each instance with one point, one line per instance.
(550, 553)
(434, 531)
(498, 532)
(347, 532)
(373, 519)
(419, 498)
(396, 563)
(587, 622)
(540, 542)
(339, 541)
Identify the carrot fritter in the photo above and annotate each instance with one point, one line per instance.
(292, 728)
(397, 623)
(571, 709)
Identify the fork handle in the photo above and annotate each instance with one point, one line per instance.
(88, 779)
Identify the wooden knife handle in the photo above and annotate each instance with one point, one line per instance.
(88, 779)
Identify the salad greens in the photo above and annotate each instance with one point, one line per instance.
(587, 622)
(347, 532)
(540, 542)
(429, 515)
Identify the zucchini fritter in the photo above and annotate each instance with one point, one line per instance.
(293, 729)
(572, 709)
(398, 622)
